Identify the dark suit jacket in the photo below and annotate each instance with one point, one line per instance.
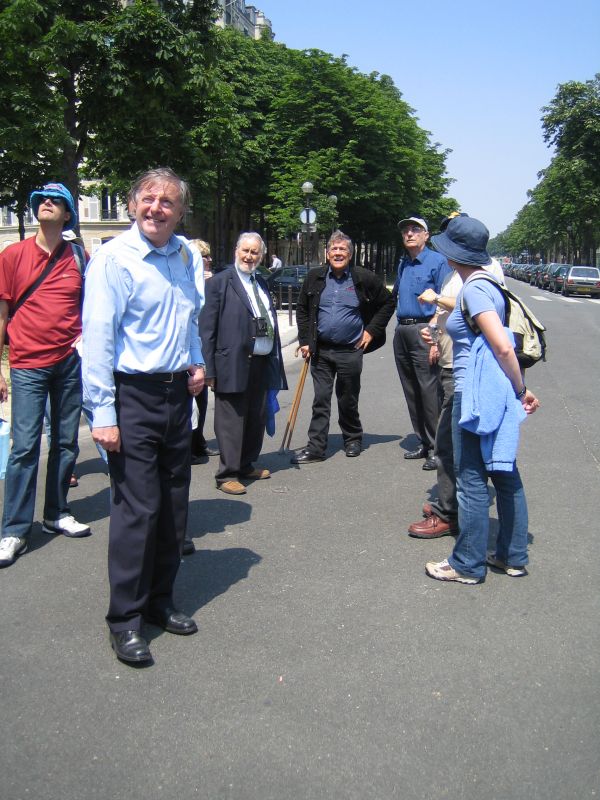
(227, 330)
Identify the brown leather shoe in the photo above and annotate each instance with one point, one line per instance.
(432, 527)
(231, 487)
(256, 474)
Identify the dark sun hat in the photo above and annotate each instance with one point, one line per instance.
(464, 240)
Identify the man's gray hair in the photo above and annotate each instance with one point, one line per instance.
(161, 175)
(252, 235)
(340, 236)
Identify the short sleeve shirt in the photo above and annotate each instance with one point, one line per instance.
(479, 296)
(45, 327)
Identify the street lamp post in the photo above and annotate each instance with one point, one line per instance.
(307, 218)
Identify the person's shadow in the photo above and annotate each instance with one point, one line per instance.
(209, 573)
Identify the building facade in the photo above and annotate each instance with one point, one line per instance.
(101, 217)
(245, 18)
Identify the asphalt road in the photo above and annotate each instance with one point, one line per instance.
(327, 664)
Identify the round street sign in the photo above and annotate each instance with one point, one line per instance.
(308, 216)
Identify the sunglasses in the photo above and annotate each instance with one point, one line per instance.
(413, 229)
(56, 201)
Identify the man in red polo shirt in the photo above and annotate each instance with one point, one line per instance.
(44, 326)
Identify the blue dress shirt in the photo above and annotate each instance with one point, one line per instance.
(426, 271)
(339, 320)
(140, 314)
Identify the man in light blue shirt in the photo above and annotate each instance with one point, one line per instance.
(420, 269)
(142, 360)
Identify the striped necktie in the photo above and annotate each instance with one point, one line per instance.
(261, 307)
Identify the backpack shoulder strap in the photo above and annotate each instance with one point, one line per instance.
(39, 280)
(79, 256)
(463, 304)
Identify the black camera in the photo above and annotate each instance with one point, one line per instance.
(262, 329)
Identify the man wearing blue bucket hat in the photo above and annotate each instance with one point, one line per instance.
(40, 303)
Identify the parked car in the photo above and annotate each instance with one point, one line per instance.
(544, 275)
(557, 277)
(280, 282)
(535, 274)
(524, 272)
(582, 280)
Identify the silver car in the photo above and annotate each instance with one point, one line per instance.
(582, 280)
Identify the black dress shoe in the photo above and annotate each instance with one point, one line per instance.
(420, 452)
(196, 459)
(206, 451)
(430, 463)
(305, 457)
(130, 646)
(353, 449)
(172, 620)
(188, 547)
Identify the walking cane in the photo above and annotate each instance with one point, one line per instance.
(289, 428)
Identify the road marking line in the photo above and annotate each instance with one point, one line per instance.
(539, 297)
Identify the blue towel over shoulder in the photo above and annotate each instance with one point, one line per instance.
(489, 407)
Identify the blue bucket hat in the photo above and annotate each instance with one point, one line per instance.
(464, 240)
(61, 193)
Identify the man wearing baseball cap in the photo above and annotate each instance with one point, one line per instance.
(40, 304)
(420, 269)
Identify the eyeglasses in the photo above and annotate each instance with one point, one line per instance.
(56, 201)
(412, 229)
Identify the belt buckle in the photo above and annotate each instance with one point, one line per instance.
(171, 377)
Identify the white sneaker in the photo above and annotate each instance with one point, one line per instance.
(513, 572)
(442, 571)
(68, 526)
(10, 548)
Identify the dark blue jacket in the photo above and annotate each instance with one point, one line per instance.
(227, 331)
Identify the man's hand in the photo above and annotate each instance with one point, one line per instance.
(195, 380)
(365, 341)
(304, 351)
(3, 390)
(426, 335)
(434, 354)
(109, 438)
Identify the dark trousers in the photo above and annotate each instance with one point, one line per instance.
(419, 381)
(198, 440)
(445, 506)
(240, 420)
(150, 481)
(344, 366)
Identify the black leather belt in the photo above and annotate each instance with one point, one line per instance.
(151, 377)
(334, 345)
(412, 320)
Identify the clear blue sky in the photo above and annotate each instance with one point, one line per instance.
(476, 73)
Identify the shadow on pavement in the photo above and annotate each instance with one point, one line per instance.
(209, 573)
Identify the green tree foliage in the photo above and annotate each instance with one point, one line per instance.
(563, 213)
(83, 78)
(103, 91)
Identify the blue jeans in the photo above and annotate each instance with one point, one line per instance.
(469, 554)
(61, 383)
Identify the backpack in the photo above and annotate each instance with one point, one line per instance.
(530, 342)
